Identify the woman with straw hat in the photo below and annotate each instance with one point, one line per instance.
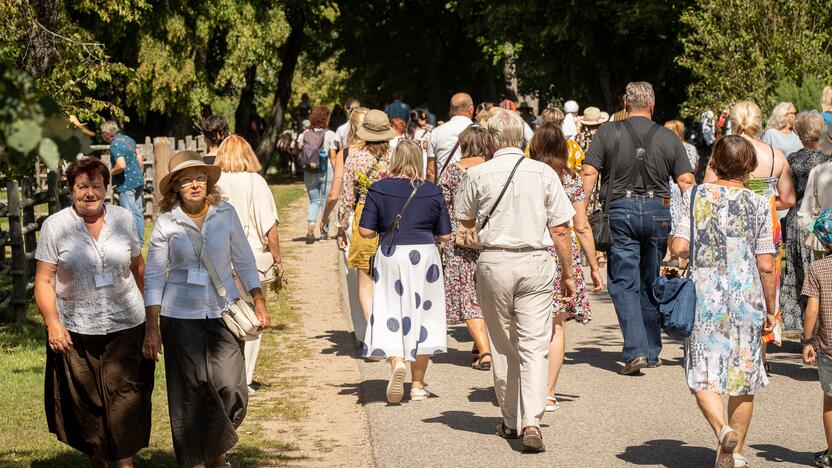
(365, 165)
(204, 364)
(588, 124)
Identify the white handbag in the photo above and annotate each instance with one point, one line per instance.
(238, 315)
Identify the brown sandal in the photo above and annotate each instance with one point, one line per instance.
(483, 366)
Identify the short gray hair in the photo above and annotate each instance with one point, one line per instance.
(507, 129)
(809, 126)
(777, 120)
(640, 95)
(109, 127)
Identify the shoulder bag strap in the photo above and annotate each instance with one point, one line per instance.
(771, 174)
(196, 239)
(611, 179)
(641, 163)
(394, 226)
(505, 187)
(448, 161)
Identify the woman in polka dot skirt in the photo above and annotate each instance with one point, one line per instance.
(408, 319)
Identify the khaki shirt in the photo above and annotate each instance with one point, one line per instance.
(534, 201)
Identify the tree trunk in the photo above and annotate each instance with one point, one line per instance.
(41, 54)
(289, 58)
(245, 108)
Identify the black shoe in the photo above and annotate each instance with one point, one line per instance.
(633, 366)
(533, 441)
(310, 238)
(822, 459)
(506, 432)
(654, 364)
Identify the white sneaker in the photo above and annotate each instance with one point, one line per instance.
(395, 386)
(419, 394)
(551, 404)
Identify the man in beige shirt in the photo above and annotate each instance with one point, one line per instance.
(515, 273)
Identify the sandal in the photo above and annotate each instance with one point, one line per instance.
(475, 352)
(483, 366)
(727, 443)
(551, 404)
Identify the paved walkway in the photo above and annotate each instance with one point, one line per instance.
(605, 419)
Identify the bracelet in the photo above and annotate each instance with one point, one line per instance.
(807, 341)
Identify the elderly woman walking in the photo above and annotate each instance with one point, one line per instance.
(408, 319)
(549, 146)
(252, 199)
(365, 165)
(356, 119)
(780, 129)
(809, 127)
(204, 366)
(461, 263)
(88, 287)
(732, 267)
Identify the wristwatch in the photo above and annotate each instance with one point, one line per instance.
(805, 341)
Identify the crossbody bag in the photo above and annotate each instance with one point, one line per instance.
(469, 238)
(394, 226)
(238, 316)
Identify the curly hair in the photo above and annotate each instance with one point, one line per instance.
(214, 129)
(319, 117)
(172, 197)
(377, 148)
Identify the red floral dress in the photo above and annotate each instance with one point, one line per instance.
(578, 309)
(460, 263)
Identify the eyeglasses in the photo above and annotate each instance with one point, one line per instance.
(185, 181)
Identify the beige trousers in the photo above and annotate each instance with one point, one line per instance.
(252, 347)
(515, 291)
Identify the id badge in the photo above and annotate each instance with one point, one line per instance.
(197, 277)
(104, 279)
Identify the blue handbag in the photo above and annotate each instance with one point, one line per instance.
(676, 295)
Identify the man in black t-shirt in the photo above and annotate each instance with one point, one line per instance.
(636, 189)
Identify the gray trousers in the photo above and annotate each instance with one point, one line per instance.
(515, 291)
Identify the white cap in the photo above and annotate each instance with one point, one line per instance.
(570, 106)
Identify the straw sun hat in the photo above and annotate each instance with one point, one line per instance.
(183, 160)
(376, 127)
(593, 116)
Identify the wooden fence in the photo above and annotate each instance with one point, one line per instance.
(30, 201)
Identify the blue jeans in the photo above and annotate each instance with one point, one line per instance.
(317, 187)
(639, 227)
(133, 202)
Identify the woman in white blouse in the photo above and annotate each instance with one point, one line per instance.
(204, 364)
(88, 288)
(250, 195)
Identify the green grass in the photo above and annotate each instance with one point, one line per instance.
(24, 437)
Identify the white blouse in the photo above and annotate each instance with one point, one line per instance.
(95, 291)
(250, 195)
(175, 277)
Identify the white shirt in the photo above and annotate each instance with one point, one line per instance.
(534, 201)
(114, 304)
(172, 258)
(443, 139)
(252, 199)
(528, 133)
(570, 126)
(341, 134)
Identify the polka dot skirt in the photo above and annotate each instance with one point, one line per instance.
(408, 317)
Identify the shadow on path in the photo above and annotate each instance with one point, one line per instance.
(668, 453)
(777, 454)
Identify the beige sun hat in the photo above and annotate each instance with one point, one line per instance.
(376, 127)
(593, 116)
(183, 160)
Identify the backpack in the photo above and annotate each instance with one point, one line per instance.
(310, 157)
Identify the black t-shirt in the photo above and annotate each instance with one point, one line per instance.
(666, 157)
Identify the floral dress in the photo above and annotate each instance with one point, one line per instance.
(675, 193)
(578, 309)
(460, 263)
(731, 227)
(797, 254)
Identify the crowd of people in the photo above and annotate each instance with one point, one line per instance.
(490, 219)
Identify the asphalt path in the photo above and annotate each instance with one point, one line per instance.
(605, 419)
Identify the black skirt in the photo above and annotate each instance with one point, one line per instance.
(98, 394)
(207, 391)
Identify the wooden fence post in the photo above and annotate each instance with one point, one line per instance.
(53, 192)
(161, 154)
(18, 271)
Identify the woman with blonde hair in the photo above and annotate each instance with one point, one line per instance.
(779, 129)
(408, 320)
(677, 127)
(770, 178)
(826, 107)
(355, 121)
(249, 193)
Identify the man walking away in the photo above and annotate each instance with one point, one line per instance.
(636, 158)
(443, 149)
(519, 208)
(397, 108)
(128, 173)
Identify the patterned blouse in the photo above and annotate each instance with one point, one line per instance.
(361, 170)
